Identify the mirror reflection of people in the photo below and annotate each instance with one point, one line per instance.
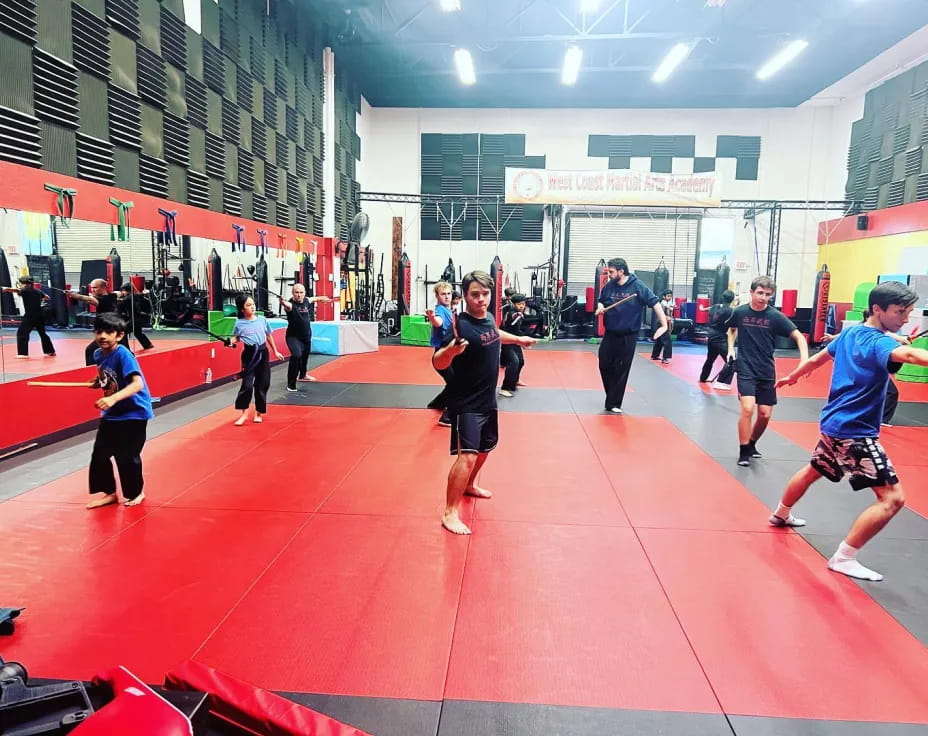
(134, 308)
(33, 318)
(299, 335)
(253, 330)
(103, 301)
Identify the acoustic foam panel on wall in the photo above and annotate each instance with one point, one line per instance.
(59, 148)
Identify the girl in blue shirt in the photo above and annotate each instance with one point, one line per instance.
(254, 331)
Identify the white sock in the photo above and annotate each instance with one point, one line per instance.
(845, 561)
(783, 511)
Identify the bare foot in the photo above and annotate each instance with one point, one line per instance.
(478, 492)
(135, 501)
(241, 420)
(258, 419)
(101, 499)
(307, 378)
(452, 522)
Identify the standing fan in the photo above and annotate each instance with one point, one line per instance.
(359, 227)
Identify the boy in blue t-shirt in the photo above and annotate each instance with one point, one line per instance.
(441, 320)
(126, 409)
(850, 421)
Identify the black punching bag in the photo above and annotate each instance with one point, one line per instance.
(496, 294)
(722, 279)
(214, 281)
(261, 284)
(114, 270)
(307, 274)
(7, 305)
(59, 299)
(661, 284)
(404, 285)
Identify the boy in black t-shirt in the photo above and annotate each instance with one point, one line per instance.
(33, 319)
(474, 350)
(299, 333)
(757, 326)
(719, 315)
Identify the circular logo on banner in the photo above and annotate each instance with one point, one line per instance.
(528, 184)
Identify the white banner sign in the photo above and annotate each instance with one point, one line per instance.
(611, 187)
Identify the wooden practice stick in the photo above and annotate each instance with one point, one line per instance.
(621, 301)
(74, 384)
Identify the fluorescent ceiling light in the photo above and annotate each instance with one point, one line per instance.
(783, 57)
(674, 58)
(449, 6)
(464, 63)
(572, 59)
(589, 6)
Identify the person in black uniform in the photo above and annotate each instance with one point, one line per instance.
(299, 333)
(33, 318)
(622, 323)
(134, 308)
(717, 345)
(473, 349)
(104, 301)
(511, 356)
(757, 325)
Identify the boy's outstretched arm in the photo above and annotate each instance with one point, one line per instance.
(908, 354)
(804, 369)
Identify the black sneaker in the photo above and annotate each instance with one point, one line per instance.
(444, 420)
(744, 461)
(754, 452)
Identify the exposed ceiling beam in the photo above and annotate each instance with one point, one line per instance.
(412, 19)
(514, 71)
(458, 41)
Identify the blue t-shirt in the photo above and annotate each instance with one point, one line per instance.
(115, 372)
(252, 331)
(441, 335)
(858, 382)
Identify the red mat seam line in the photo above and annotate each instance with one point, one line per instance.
(661, 582)
(457, 613)
(605, 470)
(341, 480)
(254, 582)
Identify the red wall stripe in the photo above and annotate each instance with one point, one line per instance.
(906, 218)
(23, 188)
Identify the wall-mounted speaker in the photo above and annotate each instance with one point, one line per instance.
(863, 222)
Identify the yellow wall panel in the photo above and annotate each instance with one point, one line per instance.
(856, 261)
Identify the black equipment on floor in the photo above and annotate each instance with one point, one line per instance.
(33, 710)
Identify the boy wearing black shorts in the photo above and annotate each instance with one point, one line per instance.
(850, 422)
(474, 350)
(757, 326)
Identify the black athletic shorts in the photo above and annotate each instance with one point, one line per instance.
(863, 459)
(763, 391)
(474, 431)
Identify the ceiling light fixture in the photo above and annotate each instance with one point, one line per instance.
(572, 60)
(464, 63)
(589, 6)
(449, 6)
(674, 58)
(783, 57)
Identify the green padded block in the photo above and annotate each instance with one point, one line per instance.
(414, 330)
(915, 373)
(862, 297)
(854, 316)
(220, 324)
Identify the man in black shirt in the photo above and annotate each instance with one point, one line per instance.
(622, 323)
(757, 326)
(104, 301)
(33, 319)
(299, 333)
(474, 349)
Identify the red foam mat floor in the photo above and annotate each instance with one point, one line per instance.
(305, 554)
